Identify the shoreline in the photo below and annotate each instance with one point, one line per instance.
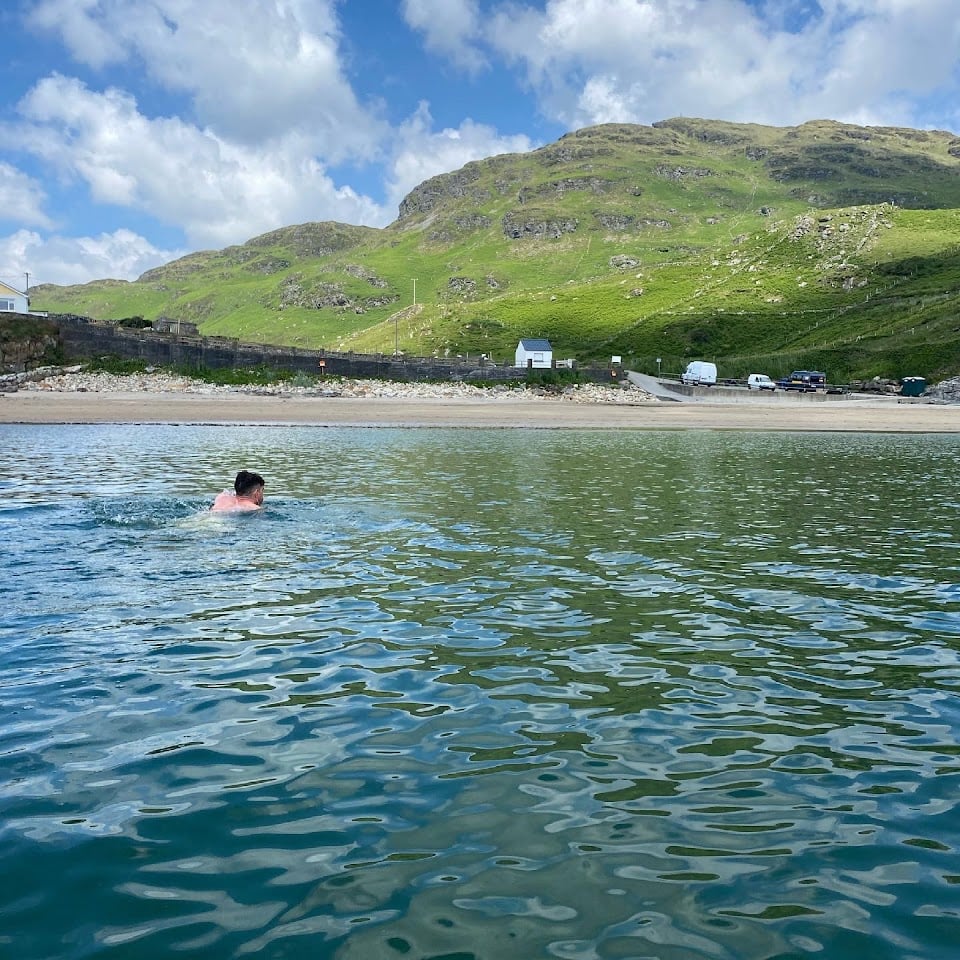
(159, 399)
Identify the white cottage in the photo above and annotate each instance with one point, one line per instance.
(12, 300)
(534, 353)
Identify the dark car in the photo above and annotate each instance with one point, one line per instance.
(805, 381)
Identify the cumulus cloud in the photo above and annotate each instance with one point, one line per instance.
(594, 61)
(450, 29)
(21, 198)
(422, 153)
(120, 255)
(254, 70)
(86, 35)
(218, 192)
(240, 116)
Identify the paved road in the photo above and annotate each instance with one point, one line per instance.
(681, 393)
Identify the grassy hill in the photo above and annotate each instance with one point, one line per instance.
(825, 245)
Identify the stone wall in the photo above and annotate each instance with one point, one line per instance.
(81, 338)
(27, 342)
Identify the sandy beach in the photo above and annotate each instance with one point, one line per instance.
(101, 398)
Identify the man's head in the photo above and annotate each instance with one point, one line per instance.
(249, 485)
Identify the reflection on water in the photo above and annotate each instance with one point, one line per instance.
(463, 694)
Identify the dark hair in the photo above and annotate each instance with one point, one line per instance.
(247, 482)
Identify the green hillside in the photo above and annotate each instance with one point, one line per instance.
(825, 245)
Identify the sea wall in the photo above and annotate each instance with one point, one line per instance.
(81, 338)
(27, 342)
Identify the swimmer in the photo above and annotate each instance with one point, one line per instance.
(247, 495)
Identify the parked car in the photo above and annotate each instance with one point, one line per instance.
(760, 381)
(699, 372)
(805, 381)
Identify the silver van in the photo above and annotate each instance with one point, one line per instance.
(760, 381)
(700, 372)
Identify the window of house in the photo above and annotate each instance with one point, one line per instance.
(6, 304)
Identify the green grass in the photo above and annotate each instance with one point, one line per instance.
(734, 242)
(239, 376)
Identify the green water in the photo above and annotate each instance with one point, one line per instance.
(479, 694)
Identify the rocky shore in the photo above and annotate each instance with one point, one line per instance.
(947, 391)
(75, 396)
(76, 380)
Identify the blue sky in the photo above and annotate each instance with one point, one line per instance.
(135, 131)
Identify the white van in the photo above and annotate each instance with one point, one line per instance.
(760, 381)
(700, 372)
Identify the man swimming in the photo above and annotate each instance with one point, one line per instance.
(247, 495)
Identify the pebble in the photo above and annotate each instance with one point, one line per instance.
(76, 380)
(947, 391)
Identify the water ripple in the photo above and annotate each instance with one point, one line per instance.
(503, 703)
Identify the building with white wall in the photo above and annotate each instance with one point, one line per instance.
(12, 300)
(534, 353)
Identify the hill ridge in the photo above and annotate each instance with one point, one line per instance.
(683, 238)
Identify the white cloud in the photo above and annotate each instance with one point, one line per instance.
(450, 28)
(243, 107)
(121, 255)
(594, 61)
(218, 192)
(254, 70)
(21, 198)
(421, 153)
(894, 54)
(90, 41)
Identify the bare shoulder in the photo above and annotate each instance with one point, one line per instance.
(225, 501)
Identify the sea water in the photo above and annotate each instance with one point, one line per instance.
(479, 694)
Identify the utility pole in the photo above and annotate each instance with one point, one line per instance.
(26, 289)
(396, 322)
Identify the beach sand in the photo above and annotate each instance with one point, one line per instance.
(781, 413)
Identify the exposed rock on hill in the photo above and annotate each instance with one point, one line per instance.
(519, 226)
(682, 173)
(363, 273)
(431, 192)
(315, 239)
(557, 188)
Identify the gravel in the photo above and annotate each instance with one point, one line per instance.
(76, 380)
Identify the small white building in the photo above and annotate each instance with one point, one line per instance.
(534, 353)
(12, 300)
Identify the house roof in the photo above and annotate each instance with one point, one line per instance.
(535, 344)
(6, 286)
